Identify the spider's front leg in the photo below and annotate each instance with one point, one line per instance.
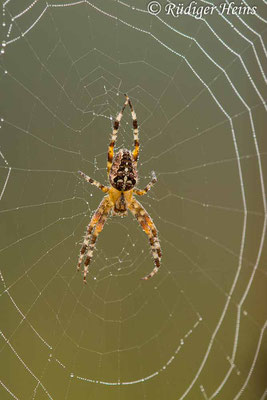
(94, 228)
(148, 186)
(149, 228)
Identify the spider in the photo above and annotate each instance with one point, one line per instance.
(122, 174)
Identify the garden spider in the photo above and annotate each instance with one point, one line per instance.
(122, 173)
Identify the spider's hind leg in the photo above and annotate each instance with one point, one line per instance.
(135, 131)
(116, 126)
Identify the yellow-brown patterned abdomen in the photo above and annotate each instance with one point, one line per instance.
(123, 174)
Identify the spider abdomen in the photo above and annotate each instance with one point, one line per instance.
(123, 174)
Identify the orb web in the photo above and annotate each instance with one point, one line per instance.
(197, 329)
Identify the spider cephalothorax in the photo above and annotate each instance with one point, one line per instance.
(122, 173)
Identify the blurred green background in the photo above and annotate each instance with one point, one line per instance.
(197, 329)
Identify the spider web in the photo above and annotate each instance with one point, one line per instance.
(197, 330)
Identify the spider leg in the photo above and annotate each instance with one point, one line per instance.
(135, 130)
(95, 218)
(116, 126)
(149, 228)
(104, 189)
(148, 186)
(104, 212)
